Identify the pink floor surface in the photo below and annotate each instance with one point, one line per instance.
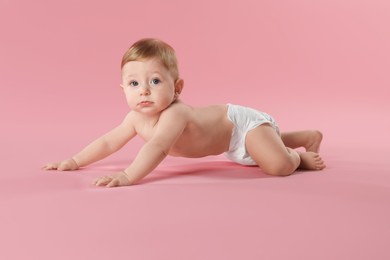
(196, 209)
(311, 64)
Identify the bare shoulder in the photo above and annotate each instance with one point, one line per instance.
(177, 111)
(172, 122)
(130, 120)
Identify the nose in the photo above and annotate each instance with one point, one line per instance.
(144, 91)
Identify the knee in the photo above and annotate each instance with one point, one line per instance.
(280, 169)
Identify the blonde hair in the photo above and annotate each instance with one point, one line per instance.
(153, 48)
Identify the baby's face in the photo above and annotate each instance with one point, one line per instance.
(149, 87)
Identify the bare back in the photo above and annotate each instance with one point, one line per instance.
(207, 130)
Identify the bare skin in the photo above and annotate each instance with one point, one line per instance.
(311, 141)
(170, 127)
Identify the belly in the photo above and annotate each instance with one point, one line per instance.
(200, 149)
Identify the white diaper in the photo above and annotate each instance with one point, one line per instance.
(244, 120)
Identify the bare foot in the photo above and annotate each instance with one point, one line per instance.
(314, 138)
(311, 161)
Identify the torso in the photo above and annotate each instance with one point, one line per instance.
(207, 132)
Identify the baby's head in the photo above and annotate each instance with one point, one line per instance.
(150, 77)
(152, 48)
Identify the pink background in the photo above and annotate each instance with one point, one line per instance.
(320, 64)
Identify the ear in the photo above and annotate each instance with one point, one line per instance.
(179, 84)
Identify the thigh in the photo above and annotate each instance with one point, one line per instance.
(266, 148)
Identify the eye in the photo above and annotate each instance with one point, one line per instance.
(155, 81)
(134, 84)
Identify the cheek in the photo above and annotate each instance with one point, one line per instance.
(169, 96)
(129, 98)
(169, 92)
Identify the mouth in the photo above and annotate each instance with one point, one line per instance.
(145, 103)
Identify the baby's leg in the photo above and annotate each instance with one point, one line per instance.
(267, 149)
(309, 139)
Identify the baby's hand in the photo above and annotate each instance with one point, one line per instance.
(66, 165)
(119, 179)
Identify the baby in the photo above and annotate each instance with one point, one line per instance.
(151, 84)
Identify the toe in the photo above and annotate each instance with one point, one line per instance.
(320, 166)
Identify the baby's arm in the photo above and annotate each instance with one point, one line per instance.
(98, 149)
(170, 127)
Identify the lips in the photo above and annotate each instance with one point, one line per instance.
(145, 103)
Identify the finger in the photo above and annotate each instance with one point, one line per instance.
(113, 183)
(63, 167)
(97, 180)
(49, 167)
(103, 181)
(94, 182)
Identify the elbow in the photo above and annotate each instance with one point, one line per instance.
(164, 150)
